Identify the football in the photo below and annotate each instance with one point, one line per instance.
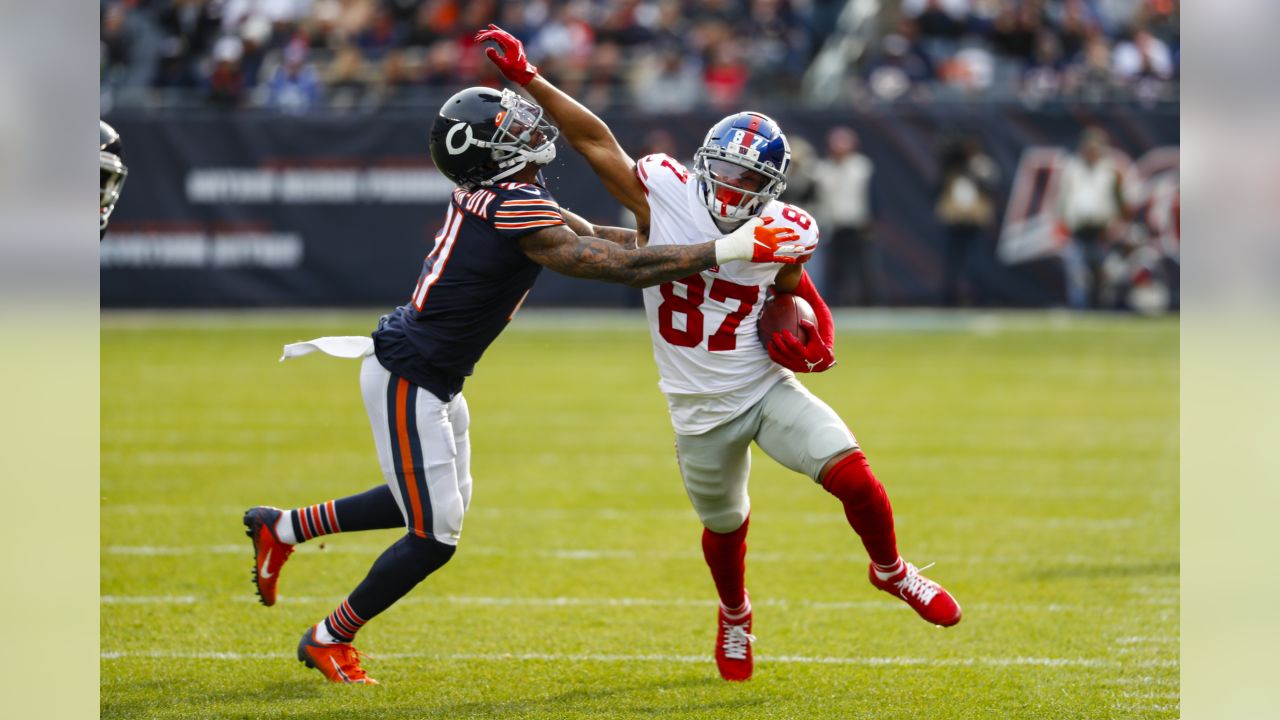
(784, 312)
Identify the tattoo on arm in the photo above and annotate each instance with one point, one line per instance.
(560, 249)
(621, 236)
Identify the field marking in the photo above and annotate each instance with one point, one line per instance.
(978, 322)
(585, 554)
(687, 514)
(568, 602)
(699, 659)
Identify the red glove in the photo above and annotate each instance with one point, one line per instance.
(813, 356)
(512, 61)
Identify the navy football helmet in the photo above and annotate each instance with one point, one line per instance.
(741, 166)
(112, 174)
(482, 136)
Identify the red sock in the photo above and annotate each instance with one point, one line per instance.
(726, 556)
(866, 506)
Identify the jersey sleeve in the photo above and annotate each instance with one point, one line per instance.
(798, 220)
(520, 208)
(663, 178)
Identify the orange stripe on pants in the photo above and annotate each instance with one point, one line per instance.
(406, 456)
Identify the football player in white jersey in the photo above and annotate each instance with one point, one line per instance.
(723, 388)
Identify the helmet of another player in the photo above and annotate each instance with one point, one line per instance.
(482, 136)
(741, 166)
(112, 174)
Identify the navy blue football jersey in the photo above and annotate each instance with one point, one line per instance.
(472, 284)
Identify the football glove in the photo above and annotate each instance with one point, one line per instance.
(812, 356)
(511, 61)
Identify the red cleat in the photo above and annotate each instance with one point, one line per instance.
(733, 645)
(338, 662)
(269, 552)
(926, 597)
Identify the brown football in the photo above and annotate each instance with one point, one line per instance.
(784, 312)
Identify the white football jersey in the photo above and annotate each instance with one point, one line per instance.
(710, 359)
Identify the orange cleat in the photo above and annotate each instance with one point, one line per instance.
(929, 599)
(733, 645)
(269, 552)
(338, 662)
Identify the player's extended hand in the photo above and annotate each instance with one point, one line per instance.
(754, 242)
(511, 61)
(778, 245)
(813, 356)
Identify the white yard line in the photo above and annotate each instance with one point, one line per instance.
(588, 554)
(687, 515)
(613, 658)
(565, 601)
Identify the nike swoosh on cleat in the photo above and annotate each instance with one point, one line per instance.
(339, 670)
(266, 575)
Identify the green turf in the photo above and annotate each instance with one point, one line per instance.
(1033, 458)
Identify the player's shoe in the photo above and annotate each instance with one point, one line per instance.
(926, 597)
(338, 662)
(733, 644)
(269, 552)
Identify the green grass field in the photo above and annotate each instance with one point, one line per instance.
(1033, 457)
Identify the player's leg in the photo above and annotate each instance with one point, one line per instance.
(275, 532)
(715, 466)
(804, 434)
(416, 449)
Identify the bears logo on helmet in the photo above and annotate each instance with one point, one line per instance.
(482, 136)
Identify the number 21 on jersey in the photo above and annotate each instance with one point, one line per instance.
(690, 306)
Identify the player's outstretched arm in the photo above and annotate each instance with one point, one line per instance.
(585, 132)
(629, 239)
(564, 251)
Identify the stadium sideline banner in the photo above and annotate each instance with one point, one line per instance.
(235, 210)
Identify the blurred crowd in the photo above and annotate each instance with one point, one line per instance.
(657, 55)
(1091, 50)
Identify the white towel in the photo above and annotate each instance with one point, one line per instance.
(343, 347)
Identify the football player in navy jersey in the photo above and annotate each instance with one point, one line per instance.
(500, 229)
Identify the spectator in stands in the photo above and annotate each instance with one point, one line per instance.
(843, 185)
(666, 82)
(965, 208)
(347, 79)
(227, 82)
(743, 52)
(189, 29)
(1093, 213)
(725, 76)
(1143, 61)
(294, 88)
(902, 65)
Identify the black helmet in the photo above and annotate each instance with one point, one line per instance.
(113, 173)
(482, 136)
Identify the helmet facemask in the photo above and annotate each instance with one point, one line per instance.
(735, 186)
(111, 179)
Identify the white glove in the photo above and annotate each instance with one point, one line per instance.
(758, 243)
(739, 244)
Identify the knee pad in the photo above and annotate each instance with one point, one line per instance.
(726, 521)
(851, 480)
(721, 512)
